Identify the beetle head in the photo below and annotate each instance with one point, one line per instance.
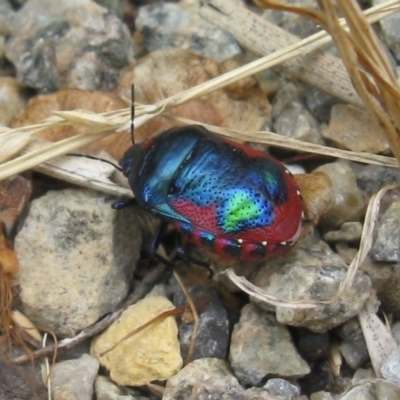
(131, 159)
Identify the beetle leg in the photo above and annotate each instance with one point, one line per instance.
(181, 253)
(123, 203)
(155, 242)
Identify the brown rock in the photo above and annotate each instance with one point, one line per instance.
(349, 201)
(351, 128)
(316, 190)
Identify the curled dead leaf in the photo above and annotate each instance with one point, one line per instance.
(14, 195)
(41, 107)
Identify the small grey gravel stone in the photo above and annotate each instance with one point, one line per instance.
(212, 338)
(292, 22)
(282, 387)
(351, 128)
(6, 16)
(319, 102)
(74, 379)
(391, 368)
(362, 392)
(390, 27)
(169, 25)
(291, 117)
(371, 178)
(361, 374)
(58, 45)
(261, 347)
(210, 377)
(353, 346)
(349, 201)
(388, 293)
(386, 390)
(77, 256)
(387, 244)
(107, 390)
(321, 396)
(349, 232)
(396, 332)
(312, 272)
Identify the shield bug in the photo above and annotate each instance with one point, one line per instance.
(226, 197)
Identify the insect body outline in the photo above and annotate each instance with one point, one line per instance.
(229, 198)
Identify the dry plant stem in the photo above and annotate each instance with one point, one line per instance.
(93, 174)
(261, 295)
(371, 219)
(30, 160)
(195, 318)
(382, 87)
(367, 236)
(274, 139)
(143, 288)
(104, 124)
(312, 66)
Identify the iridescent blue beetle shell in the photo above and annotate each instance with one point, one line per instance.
(226, 197)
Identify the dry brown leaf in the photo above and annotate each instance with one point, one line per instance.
(41, 107)
(164, 73)
(14, 195)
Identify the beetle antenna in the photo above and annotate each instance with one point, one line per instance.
(132, 112)
(95, 158)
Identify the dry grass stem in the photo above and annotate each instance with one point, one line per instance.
(92, 174)
(274, 139)
(262, 296)
(362, 56)
(104, 124)
(313, 66)
(381, 95)
(371, 219)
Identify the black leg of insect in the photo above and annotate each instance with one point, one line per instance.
(123, 203)
(182, 253)
(155, 243)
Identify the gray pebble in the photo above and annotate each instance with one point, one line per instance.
(212, 339)
(77, 256)
(74, 379)
(387, 244)
(261, 347)
(169, 25)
